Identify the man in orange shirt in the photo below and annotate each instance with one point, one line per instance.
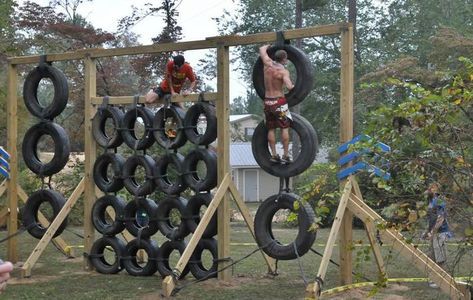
(177, 72)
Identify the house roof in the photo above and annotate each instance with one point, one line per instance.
(235, 118)
(241, 155)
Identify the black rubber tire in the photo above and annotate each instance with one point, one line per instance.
(31, 210)
(61, 148)
(98, 127)
(131, 263)
(30, 92)
(159, 121)
(129, 169)
(192, 118)
(99, 215)
(263, 227)
(100, 172)
(197, 268)
(131, 224)
(164, 223)
(162, 180)
(209, 157)
(97, 251)
(304, 74)
(163, 257)
(193, 208)
(128, 125)
(309, 148)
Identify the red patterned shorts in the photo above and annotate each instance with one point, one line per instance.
(276, 112)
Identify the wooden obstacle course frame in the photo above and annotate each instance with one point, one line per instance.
(88, 56)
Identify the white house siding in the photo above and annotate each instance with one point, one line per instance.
(268, 185)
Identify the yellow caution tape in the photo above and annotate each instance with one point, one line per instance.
(343, 288)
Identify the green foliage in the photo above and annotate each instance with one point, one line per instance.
(319, 186)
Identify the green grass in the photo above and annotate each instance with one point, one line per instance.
(57, 277)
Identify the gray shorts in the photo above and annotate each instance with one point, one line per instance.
(439, 247)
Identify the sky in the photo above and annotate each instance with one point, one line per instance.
(195, 18)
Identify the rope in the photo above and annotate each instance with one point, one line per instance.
(300, 265)
(179, 288)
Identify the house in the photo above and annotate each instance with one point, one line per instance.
(243, 126)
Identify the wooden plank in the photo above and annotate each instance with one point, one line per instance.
(90, 153)
(169, 282)
(57, 241)
(38, 250)
(269, 37)
(124, 100)
(370, 231)
(346, 134)
(210, 42)
(3, 187)
(35, 59)
(223, 154)
(314, 289)
(271, 262)
(12, 142)
(419, 259)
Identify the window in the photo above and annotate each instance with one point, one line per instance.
(249, 131)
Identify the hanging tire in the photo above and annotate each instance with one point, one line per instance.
(30, 92)
(191, 123)
(304, 74)
(309, 148)
(131, 263)
(61, 148)
(142, 226)
(129, 169)
(128, 128)
(159, 125)
(193, 208)
(165, 222)
(164, 253)
(191, 176)
(31, 210)
(170, 185)
(101, 175)
(264, 233)
(197, 268)
(100, 218)
(99, 122)
(98, 257)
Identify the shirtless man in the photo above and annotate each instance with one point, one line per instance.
(276, 110)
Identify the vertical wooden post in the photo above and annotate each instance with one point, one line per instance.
(346, 133)
(12, 137)
(90, 150)
(223, 163)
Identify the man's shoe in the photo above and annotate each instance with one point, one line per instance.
(286, 160)
(275, 159)
(433, 285)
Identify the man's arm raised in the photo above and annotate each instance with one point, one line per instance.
(287, 80)
(267, 61)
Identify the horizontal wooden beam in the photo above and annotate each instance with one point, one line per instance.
(208, 43)
(123, 100)
(268, 37)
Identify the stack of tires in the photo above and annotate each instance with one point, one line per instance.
(307, 137)
(167, 175)
(33, 140)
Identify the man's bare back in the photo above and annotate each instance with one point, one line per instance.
(275, 76)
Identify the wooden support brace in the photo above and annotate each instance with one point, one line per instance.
(271, 262)
(38, 250)
(313, 290)
(3, 187)
(169, 282)
(60, 244)
(445, 281)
